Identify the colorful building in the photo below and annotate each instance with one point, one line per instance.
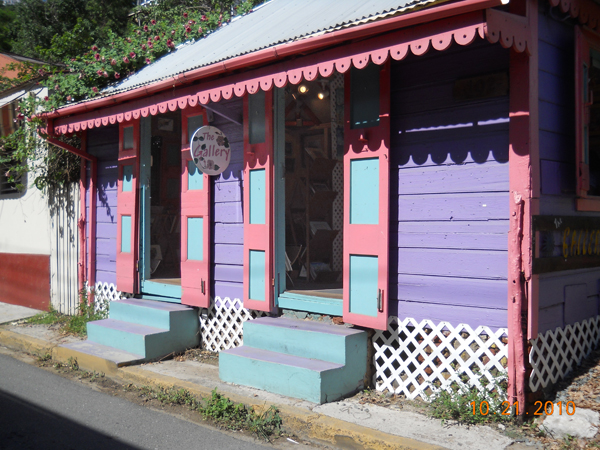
(423, 172)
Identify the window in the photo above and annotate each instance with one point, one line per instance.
(7, 126)
(587, 119)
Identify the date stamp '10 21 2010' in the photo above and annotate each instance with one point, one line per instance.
(542, 408)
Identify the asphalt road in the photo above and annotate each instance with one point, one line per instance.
(41, 410)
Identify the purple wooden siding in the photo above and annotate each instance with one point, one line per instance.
(449, 190)
(566, 297)
(104, 144)
(228, 223)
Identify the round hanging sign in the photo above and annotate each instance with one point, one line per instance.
(210, 150)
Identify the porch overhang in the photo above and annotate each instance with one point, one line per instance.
(437, 27)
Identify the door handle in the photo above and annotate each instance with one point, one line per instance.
(380, 300)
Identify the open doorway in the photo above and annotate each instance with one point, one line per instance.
(161, 205)
(314, 149)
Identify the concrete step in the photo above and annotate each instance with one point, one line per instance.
(309, 360)
(131, 337)
(306, 339)
(310, 379)
(85, 350)
(152, 313)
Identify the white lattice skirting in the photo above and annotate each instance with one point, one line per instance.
(221, 324)
(104, 293)
(555, 353)
(415, 358)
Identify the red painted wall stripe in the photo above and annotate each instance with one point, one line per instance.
(25, 280)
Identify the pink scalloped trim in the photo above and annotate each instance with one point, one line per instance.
(586, 11)
(437, 35)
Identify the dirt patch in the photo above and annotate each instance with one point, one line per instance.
(197, 354)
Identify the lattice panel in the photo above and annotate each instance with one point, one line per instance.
(554, 354)
(416, 358)
(104, 293)
(221, 325)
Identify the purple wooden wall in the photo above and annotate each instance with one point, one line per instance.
(104, 144)
(228, 223)
(564, 297)
(449, 196)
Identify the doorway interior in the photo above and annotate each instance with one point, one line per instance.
(160, 240)
(313, 204)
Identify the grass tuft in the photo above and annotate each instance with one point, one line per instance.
(76, 324)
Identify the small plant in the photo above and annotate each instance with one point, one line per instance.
(75, 324)
(225, 412)
(72, 363)
(219, 409)
(467, 404)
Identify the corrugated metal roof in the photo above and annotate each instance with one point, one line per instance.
(273, 23)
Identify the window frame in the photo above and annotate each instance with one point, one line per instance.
(585, 42)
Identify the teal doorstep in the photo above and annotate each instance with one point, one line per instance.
(302, 359)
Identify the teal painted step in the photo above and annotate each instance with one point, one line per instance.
(309, 379)
(131, 337)
(154, 314)
(306, 338)
(148, 328)
(302, 359)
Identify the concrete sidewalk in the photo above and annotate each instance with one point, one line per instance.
(347, 424)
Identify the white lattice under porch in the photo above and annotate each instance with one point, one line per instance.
(104, 293)
(412, 358)
(555, 353)
(221, 324)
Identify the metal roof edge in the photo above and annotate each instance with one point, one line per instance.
(447, 8)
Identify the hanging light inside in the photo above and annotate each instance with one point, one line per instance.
(323, 95)
(302, 89)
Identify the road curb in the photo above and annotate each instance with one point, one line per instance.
(24, 343)
(300, 422)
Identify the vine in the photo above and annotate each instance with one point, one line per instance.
(152, 32)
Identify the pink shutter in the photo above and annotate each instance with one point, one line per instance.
(366, 213)
(258, 203)
(127, 207)
(195, 220)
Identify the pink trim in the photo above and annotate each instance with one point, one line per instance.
(259, 236)
(586, 11)
(128, 206)
(462, 29)
(195, 275)
(81, 223)
(371, 240)
(523, 151)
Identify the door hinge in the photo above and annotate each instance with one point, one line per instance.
(272, 281)
(137, 265)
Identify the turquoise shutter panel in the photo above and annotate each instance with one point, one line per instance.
(366, 196)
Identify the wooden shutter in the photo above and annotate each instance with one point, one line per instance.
(582, 111)
(195, 218)
(258, 201)
(127, 207)
(366, 196)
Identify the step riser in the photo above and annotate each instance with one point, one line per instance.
(130, 342)
(307, 344)
(140, 315)
(317, 387)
